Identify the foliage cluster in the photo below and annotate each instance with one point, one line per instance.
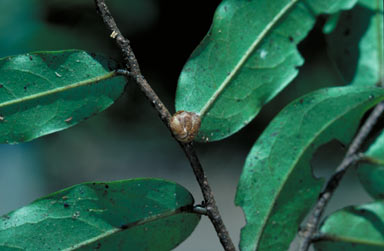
(248, 57)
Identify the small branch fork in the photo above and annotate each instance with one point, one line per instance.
(133, 70)
(352, 157)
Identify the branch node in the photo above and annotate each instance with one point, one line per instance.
(351, 158)
(135, 73)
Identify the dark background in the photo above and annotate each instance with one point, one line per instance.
(129, 140)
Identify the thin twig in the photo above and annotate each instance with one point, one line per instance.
(133, 70)
(349, 160)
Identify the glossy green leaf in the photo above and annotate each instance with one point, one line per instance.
(276, 188)
(372, 175)
(356, 45)
(355, 228)
(44, 92)
(137, 214)
(248, 56)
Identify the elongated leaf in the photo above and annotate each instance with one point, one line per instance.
(372, 175)
(138, 214)
(276, 188)
(356, 228)
(248, 56)
(357, 45)
(41, 93)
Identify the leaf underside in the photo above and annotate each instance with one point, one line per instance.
(356, 44)
(138, 214)
(44, 92)
(248, 56)
(355, 228)
(276, 188)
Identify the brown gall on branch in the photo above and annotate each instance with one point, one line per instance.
(133, 71)
(185, 125)
(351, 158)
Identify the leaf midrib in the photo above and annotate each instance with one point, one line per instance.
(59, 89)
(351, 240)
(244, 58)
(133, 224)
(325, 127)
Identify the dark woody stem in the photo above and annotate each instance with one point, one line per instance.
(133, 71)
(352, 157)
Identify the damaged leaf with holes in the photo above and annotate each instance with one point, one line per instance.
(45, 92)
(277, 188)
(354, 228)
(137, 214)
(371, 171)
(248, 56)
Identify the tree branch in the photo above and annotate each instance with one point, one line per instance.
(133, 70)
(351, 158)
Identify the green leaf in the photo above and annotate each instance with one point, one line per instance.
(137, 214)
(355, 228)
(331, 23)
(276, 188)
(248, 56)
(372, 175)
(44, 92)
(356, 45)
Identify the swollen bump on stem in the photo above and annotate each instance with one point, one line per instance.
(185, 125)
(135, 73)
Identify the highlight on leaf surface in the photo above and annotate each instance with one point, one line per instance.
(45, 92)
(248, 56)
(137, 214)
(354, 228)
(277, 188)
(371, 175)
